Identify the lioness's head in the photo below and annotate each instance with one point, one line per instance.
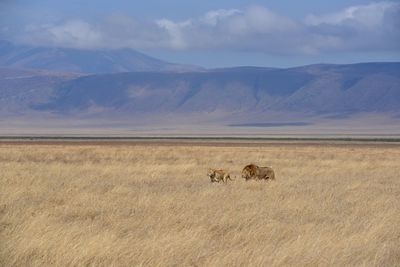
(211, 174)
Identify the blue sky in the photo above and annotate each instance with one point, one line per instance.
(214, 33)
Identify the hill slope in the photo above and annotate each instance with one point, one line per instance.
(21, 88)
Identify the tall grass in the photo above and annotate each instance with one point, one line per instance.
(153, 205)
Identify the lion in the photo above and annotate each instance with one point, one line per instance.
(255, 172)
(218, 175)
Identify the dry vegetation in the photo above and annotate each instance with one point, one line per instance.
(154, 206)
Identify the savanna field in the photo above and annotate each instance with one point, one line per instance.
(127, 204)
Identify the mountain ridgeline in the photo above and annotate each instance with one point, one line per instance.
(315, 89)
(82, 60)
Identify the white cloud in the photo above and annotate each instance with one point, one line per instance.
(365, 27)
(213, 17)
(370, 15)
(74, 32)
(372, 27)
(175, 31)
(252, 28)
(261, 20)
(71, 33)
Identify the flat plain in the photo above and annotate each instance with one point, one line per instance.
(151, 204)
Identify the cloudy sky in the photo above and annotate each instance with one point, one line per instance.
(214, 33)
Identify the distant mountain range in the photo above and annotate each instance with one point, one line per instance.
(316, 89)
(228, 95)
(81, 60)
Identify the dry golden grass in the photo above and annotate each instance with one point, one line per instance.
(152, 205)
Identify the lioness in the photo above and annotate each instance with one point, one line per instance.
(218, 175)
(252, 171)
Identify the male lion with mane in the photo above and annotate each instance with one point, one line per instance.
(218, 175)
(255, 172)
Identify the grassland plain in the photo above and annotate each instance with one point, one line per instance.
(153, 205)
